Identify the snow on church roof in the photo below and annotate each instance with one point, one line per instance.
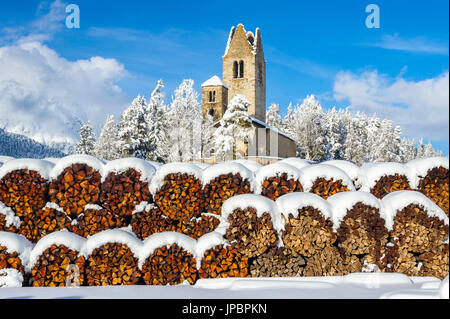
(214, 81)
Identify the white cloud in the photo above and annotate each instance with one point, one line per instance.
(42, 94)
(417, 44)
(420, 107)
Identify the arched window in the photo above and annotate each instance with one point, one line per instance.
(212, 96)
(235, 70)
(241, 69)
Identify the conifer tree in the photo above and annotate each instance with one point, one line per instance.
(86, 145)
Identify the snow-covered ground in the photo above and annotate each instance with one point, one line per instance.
(353, 286)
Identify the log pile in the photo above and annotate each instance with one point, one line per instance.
(76, 186)
(223, 262)
(388, 184)
(435, 185)
(58, 266)
(331, 262)
(10, 260)
(328, 187)
(180, 197)
(8, 220)
(435, 263)
(45, 221)
(25, 191)
(112, 264)
(223, 187)
(276, 186)
(96, 219)
(171, 265)
(278, 262)
(197, 227)
(121, 192)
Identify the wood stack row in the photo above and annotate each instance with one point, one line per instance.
(331, 262)
(76, 186)
(96, 219)
(388, 184)
(58, 266)
(328, 187)
(435, 185)
(278, 262)
(10, 260)
(223, 262)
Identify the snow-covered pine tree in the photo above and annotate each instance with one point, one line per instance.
(106, 146)
(429, 150)
(235, 127)
(356, 143)
(408, 150)
(273, 117)
(288, 122)
(185, 119)
(336, 132)
(157, 126)
(207, 136)
(86, 145)
(132, 132)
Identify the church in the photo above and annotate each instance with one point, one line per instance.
(244, 72)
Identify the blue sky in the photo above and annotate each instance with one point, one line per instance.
(311, 47)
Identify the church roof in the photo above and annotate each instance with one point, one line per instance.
(214, 81)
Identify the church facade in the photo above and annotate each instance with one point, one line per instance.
(244, 72)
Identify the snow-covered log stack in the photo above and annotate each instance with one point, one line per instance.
(223, 181)
(10, 278)
(49, 219)
(360, 223)
(252, 223)
(24, 185)
(95, 219)
(57, 261)
(275, 180)
(325, 180)
(14, 252)
(75, 182)
(8, 219)
(381, 179)
(177, 190)
(278, 262)
(348, 167)
(219, 259)
(125, 184)
(417, 227)
(112, 258)
(432, 179)
(308, 226)
(169, 259)
(298, 163)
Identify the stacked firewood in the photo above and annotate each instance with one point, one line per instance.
(14, 252)
(435, 185)
(169, 259)
(96, 219)
(221, 185)
(275, 180)
(8, 220)
(122, 191)
(10, 260)
(278, 262)
(112, 259)
(435, 263)
(388, 184)
(49, 219)
(75, 187)
(331, 262)
(58, 266)
(328, 187)
(250, 229)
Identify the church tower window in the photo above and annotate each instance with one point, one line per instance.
(241, 69)
(235, 70)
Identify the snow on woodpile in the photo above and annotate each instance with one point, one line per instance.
(251, 165)
(296, 162)
(10, 278)
(209, 241)
(174, 168)
(41, 166)
(65, 162)
(421, 166)
(396, 201)
(178, 254)
(8, 219)
(54, 160)
(394, 176)
(156, 165)
(325, 180)
(16, 243)
(63, 237)
(307, 225)
(216, 170)
(277, 179)
(121, 165)
(348, 167)
(201, 165)
(113, 236)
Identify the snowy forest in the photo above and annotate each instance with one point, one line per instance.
(155, 131)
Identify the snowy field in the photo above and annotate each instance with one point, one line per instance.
(353, 286)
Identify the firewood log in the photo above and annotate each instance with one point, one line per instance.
(197, 227)
(75, 187)
(389, 184)
(58, 266)
(11, 260)
(96, 219)
(121, 192)
(278, 179)
(14, 253)
(328, 187)
(112, 264)
(45, 221)
(435, 263)
(150, 220)
(331, 262)
(25, 191)
(8, 220)
(223, 262)
(180, 197)
(169, 266)
(278, 262)
(222, 187)
(435, 185)
(399, 260)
